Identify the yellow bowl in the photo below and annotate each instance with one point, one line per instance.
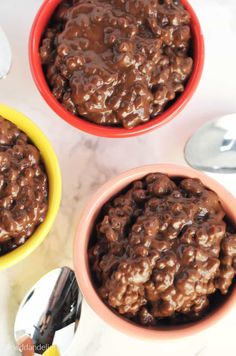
(54, 179)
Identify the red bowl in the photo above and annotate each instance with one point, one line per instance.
(41, 20)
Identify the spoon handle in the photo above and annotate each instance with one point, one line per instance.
(26, 346)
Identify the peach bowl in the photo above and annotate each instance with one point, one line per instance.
(81, 263)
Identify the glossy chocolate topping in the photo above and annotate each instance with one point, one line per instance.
(23, 187)
(161, 249)
(117, 62)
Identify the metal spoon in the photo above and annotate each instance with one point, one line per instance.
(212, 148)
(49, 314)
(5, 55)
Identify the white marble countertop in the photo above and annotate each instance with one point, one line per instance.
(86, 162)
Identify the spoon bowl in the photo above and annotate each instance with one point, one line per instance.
(49, 313)
(212, 147)
(6, 56)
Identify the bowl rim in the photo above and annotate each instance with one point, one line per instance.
(54, 179)
(81, 265)
(40, 21)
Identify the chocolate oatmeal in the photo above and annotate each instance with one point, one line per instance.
(161, 250)
(117, 62)
(23, 187)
